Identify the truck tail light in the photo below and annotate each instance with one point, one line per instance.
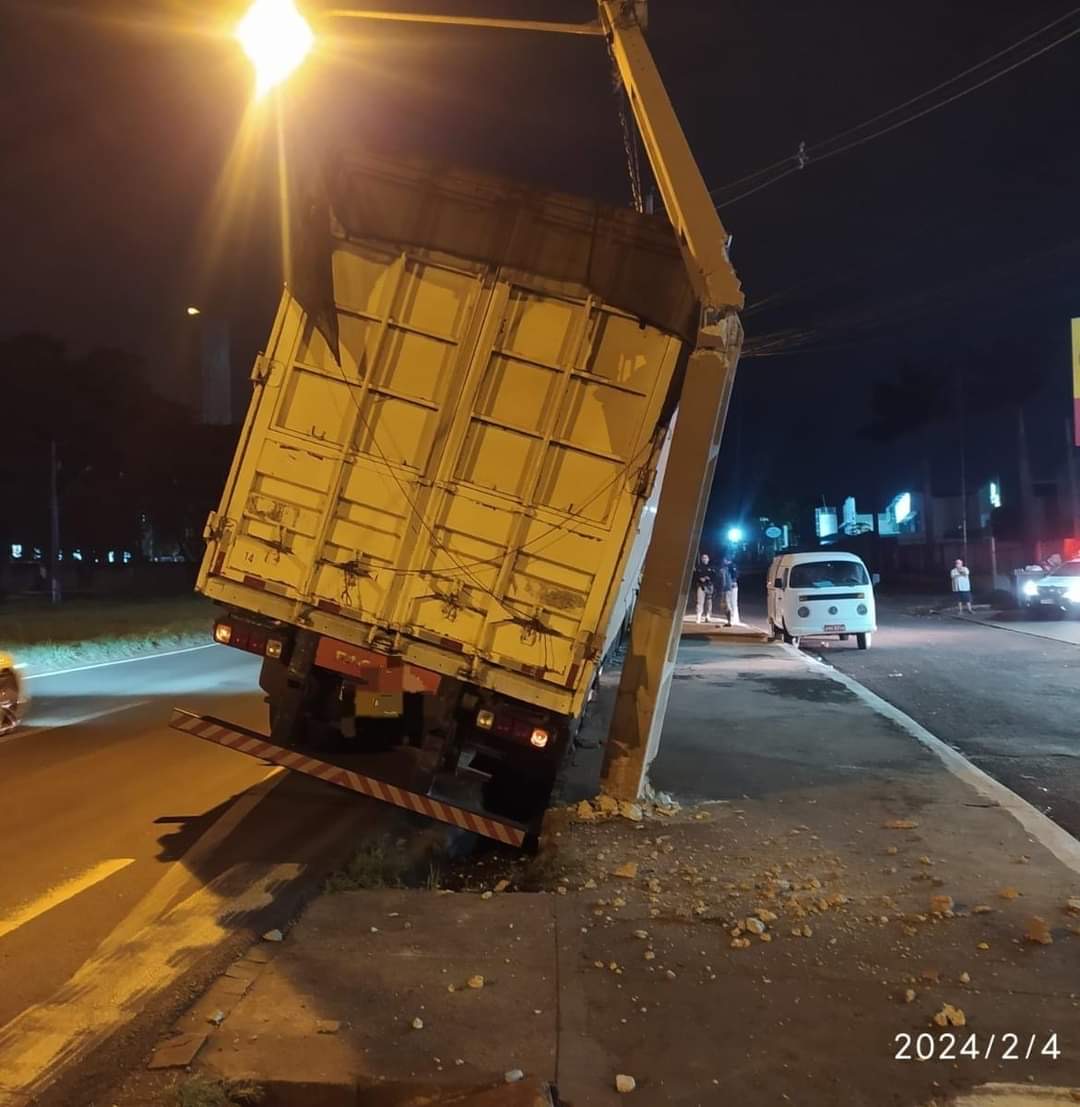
(485, 720)
(273, 647)
(539, 737)
(222, 633)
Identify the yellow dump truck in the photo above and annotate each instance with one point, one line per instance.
(437, 511)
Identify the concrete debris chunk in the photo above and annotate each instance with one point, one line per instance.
(754, 925)
(900, 824)
(486, 895)
(941, 905)
(625, 1084)
(631, 811)
(950, 1016)
(327, 1026)
(641, 934)
(981, 909)
(740, 943)
(502, 885)
(274, 935)
(628, 870)
(417, 1023)
(1072, 905)
(767, 916)
(513, 1076)
(1036, 930)
(983, 945)
(585, 812)
(607, 805)
(965, 978)
(476, 982)
(1008, 893)
(909, 995)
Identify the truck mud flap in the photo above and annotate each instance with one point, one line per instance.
(255, 744)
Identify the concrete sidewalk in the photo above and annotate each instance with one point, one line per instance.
(829, 891)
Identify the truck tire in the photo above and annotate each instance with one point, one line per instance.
(863, 641)
(513, 795)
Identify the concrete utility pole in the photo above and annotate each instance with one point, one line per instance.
(641, 702)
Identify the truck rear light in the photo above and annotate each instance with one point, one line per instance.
(273, 647)
(222, 633)
(539, 738)
(485, 720)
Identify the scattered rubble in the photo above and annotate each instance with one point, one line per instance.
(274, 935)
(1008, 893)
(1037, 930)
(1072, 905)
(476, 982)
(627, 871)
(417, 1023)
(624, 1083)
(950, 1016)
(327, 1026)
(900, 824)
(513, 1076)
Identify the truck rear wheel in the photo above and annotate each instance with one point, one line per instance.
(513, 795)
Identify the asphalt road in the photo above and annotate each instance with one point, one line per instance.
(1009, 701)
(108, 817)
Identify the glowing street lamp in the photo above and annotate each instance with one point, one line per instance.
(735, 535)
(276, 39)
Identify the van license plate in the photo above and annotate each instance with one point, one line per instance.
(1052, 603)
(835, 627)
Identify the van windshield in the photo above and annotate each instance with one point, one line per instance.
(828, 574)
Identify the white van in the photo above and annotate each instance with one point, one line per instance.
(821, 595)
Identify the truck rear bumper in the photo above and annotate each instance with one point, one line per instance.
(257, 745)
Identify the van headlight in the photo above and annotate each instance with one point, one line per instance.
(862, 609)
(803, 613)
(1030, 588)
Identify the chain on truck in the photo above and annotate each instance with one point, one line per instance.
(435, 521)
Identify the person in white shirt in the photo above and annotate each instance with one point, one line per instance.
(961, 584)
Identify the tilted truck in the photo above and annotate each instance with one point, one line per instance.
(434, 537)
(435, 522)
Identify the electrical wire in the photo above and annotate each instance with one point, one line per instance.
(819, 151)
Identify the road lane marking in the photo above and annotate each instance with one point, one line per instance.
(180, 872)
(1041, 827)
(110, 987)
(61, 893)
(93, 716)
(121, 661)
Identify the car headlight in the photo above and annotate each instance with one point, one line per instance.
(1073, 594)
(1030, 588)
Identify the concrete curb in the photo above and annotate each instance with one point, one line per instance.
(994, 625)
(1043, 829)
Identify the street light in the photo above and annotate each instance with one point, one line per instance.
(276, 39)
(193, 311)
(735, 535)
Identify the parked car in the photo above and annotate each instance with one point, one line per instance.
(1059, 590)
(821, 595)
(12, 694)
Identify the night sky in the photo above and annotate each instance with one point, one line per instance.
(951, 245)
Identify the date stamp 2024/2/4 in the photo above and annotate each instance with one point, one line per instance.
(975, 1047)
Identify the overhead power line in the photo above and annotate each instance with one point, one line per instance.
(826, 148)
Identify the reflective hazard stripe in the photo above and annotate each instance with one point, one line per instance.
(246, 741)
